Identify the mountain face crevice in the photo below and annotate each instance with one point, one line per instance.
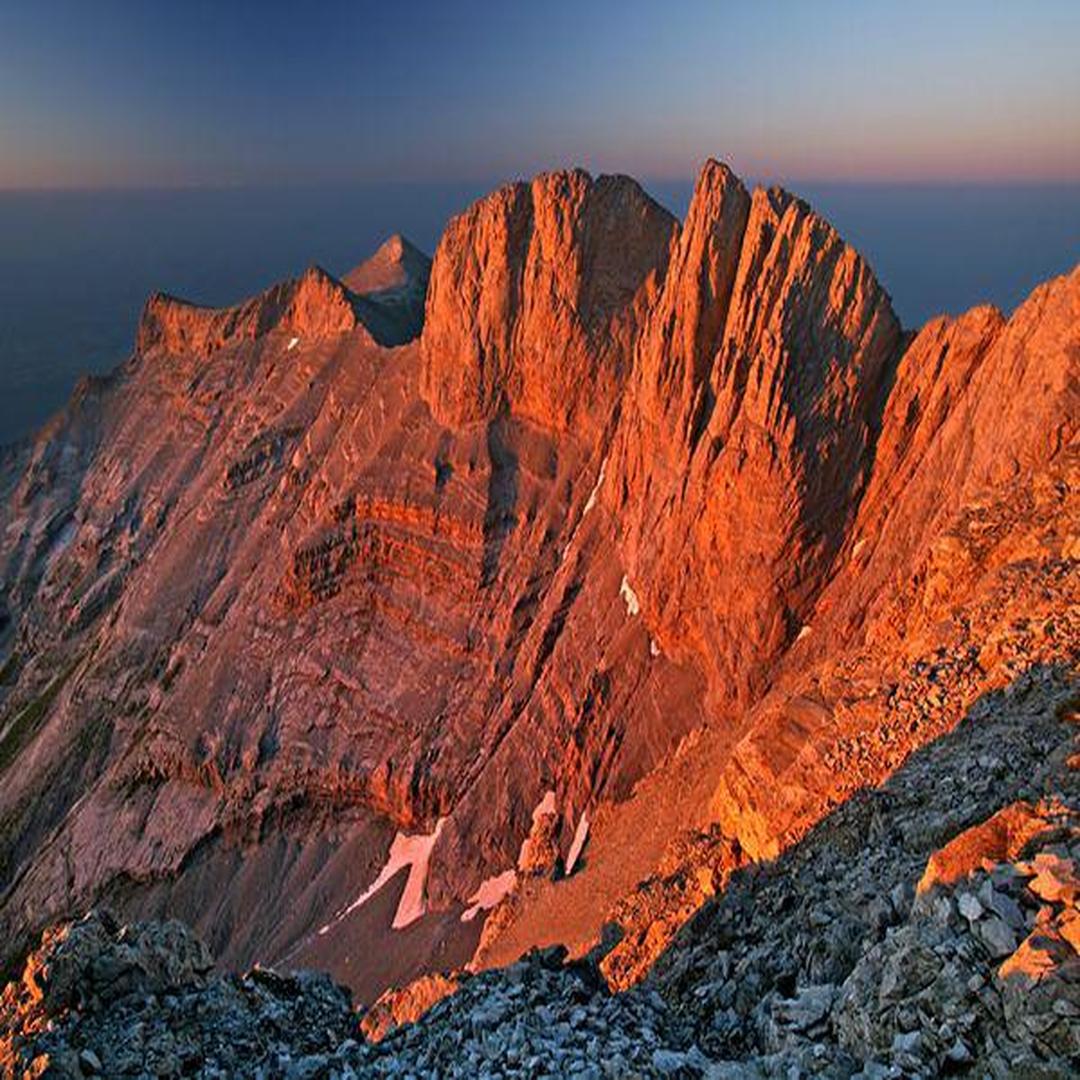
(537, 294)
(597, 531)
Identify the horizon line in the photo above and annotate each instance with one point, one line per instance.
(761, 179)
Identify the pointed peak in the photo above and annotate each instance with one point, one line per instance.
(716, 173)
(315, 276)
(396, 264)
(400, 248)
(716, 187)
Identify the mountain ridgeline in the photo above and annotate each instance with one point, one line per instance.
(403, 622)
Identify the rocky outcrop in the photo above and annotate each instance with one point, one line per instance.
(831, 958)
(658, 545)
(314, 305)
(101, 999)
(829, 962)
(749, 437)
(390, 290)
(397, 1007)
(537, 294)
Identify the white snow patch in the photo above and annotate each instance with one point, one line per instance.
(654, 649)
(581, 834)
(596, 488)
(857, 548)
(489, 894)
(633, 605)
(293, 342)
(804, 632)
(415, 853)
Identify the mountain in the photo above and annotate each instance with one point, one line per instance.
(406, 622)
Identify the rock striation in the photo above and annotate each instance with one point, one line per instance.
(313, 305)
(397, 624)
(750, 436)
(838, 960)
(537, 295)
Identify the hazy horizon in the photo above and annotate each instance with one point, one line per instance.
(76, 267)
(135, 95)
(210, 150)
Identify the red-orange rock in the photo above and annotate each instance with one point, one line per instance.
(537, 293)
(995, 840)
(314, 305)
(291, 590)
(406, 1005)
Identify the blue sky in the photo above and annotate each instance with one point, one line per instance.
(115, 93)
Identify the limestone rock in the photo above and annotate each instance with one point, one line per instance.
(301, 615)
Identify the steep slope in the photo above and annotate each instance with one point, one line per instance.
(537, 296)
(293, 616)
(337, 642)
(389, 291)
(749, 436)
(925, 928)
(959, 573)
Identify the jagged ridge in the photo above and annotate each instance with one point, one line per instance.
(638, 486)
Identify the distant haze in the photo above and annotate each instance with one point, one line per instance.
(75, 268)
(209, 149)
(130, 93)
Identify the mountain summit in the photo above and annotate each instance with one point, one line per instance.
(404, 622)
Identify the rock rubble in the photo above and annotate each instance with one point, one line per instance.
(926, 927)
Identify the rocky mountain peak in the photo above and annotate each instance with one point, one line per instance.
(392, 656)
(314, 305)
(537, 295)
(396, 265)
(760, 374)
(390, 289)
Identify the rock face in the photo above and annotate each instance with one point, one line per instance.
(389, 291)
(829, 962)
(313, 305)
(373, 620)
(100, 999)
(749, 437)
(537, 296)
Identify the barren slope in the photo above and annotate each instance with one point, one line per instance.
(640, 552)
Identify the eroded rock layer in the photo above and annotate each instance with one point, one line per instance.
(384, 649)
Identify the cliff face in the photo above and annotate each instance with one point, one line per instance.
(313, 305)
(537, 296)
(333, 639)
(749, 434)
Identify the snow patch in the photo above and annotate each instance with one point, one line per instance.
(804, 632)
(633, 605)
(490, 893)
(415, 853)
(493, 889)
(293, 342)
(596, 489)
(858, 548)
(581, 834)
(654, 649)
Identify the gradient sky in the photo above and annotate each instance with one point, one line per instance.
(108, 93)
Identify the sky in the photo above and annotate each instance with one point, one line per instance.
(146, 93)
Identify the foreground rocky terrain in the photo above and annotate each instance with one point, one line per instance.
(927, 927)
(610, 583)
